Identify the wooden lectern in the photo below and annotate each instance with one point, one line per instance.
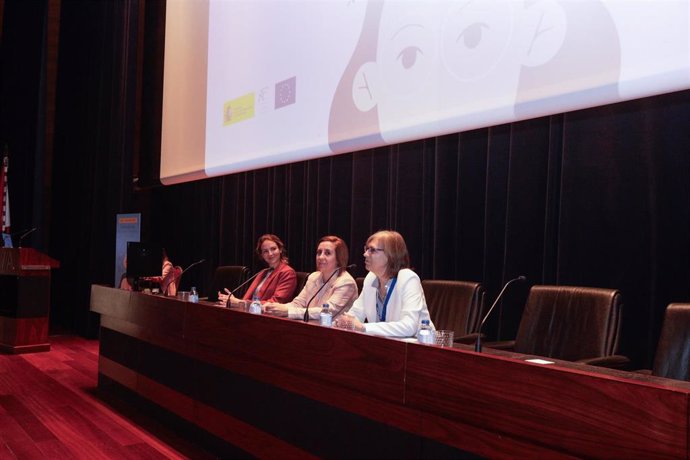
(24, 300)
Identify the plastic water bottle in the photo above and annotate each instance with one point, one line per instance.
(193, 295)
(326, 317)
(255, 306)
(425, 334)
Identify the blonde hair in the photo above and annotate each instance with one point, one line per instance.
(395, 249)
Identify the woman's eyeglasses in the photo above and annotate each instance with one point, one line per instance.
(372, 250)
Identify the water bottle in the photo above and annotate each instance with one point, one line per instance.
(425, 334)
(193, 295)
(326, 317)
(255, 306)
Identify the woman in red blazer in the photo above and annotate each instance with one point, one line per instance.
(276, 283)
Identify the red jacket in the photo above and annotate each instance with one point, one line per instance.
(279, 287)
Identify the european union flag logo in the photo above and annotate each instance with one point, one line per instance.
(285, 92)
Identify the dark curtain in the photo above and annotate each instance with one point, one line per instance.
(597, 197)
(21, 61)
(94, 134)
(594, 198)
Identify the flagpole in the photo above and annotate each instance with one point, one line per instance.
(5, 224)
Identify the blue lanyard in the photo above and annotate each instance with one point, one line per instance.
(388, 296)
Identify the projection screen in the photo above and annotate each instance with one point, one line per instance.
(257, 83)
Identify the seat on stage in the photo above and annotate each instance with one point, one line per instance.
(571, 323)
(227, 276)
(456, 306)
(360, 283)
(301, 282)
(672, 358)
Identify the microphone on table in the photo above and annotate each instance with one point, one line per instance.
(337, 270)
(242, 285)
(478, 343)
(192, 265)
(179, 277)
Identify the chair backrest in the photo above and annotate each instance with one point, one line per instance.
(227, 276)
(454, 305)
(301, 281)
(570, 323)
(360, 283)
(672, 358)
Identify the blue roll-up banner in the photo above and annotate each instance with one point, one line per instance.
(127, 228)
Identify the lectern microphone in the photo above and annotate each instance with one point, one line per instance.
(24, 235)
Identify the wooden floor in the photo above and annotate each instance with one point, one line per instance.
(50, 408)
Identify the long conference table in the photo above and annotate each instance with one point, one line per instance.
(260, 386)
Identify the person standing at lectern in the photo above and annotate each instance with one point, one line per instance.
(392, 300)
(338, 293)
(276, 283)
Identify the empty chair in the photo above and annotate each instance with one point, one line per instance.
(672, 358)
(227, 276)
(455, 305)
(571, 323)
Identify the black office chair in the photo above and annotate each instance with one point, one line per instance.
(301, 282)
(360, 282)
(672, 358)
(456, 306)
(227, 276)
(571, 323)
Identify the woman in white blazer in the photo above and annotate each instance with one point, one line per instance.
(392, 300)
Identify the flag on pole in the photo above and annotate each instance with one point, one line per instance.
(5, 208)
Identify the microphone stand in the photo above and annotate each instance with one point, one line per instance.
(192, 265)
(478, 343)
(337, 270)
(227, 302)
(24, 235)
(177, 278)
(306, 310)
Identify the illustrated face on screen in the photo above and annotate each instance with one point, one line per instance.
(441, 56)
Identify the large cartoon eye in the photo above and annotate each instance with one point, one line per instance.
(407, 53)
(475, 36)
(472, 35)
(408, 56)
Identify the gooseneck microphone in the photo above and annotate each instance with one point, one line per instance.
(337, 270)
(227, 303)
(478, 343)
(192, 265)
(24, 235)
(179, 277)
